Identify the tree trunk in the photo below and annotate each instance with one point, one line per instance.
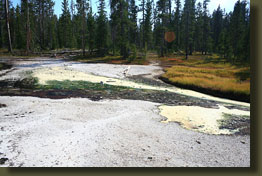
(170, 11)
(8, 27)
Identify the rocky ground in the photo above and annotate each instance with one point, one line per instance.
(109, 127)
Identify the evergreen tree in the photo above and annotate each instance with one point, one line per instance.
(52, 33)
(198, 37)
(177, 22)
(206, 28)
(33, 27)
(115, 19)
(2, 14)
(123, 29)
(238, 27)
(82, 6)
(142, 22)
(133, 33)
(148, 25)
(120, 25)
(101, 40)
(20, 43)
(91, 27)
(217, 26)
(189, 20)
(65, 26)
(162, 6)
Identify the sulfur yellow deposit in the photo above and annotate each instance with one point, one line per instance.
(199, 119)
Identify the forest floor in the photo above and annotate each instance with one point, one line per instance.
(59, 112)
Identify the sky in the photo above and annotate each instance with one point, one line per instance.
(228, 5)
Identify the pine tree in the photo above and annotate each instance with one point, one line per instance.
(238, 27)
(133, 10)
(82, 6)
(198, 37)
(43, 11)
(73, 22)
(101, 40)
(114, 16)
(162, 6)
(206, 28)
(192, 26)
(65, 26)
(217, 26)
(53, 43)
(120, 25)
(142, 22)
(2, 14)
(177, 22)
(189, 20)
(18, 30)
(123, 30)
(91, 28)
(148, 25)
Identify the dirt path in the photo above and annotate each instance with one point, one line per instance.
(114, 132)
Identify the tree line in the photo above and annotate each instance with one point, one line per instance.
(163, 26)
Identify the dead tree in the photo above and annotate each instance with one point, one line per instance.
(8, 27)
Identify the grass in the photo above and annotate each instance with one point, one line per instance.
(210, 73)
(79, 85)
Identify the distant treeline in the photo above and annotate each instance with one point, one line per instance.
(164, 26)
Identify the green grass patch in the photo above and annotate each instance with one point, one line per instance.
(80, 85)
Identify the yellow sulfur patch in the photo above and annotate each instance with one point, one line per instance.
(199, 119)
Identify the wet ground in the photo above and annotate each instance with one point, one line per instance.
(131, 114)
